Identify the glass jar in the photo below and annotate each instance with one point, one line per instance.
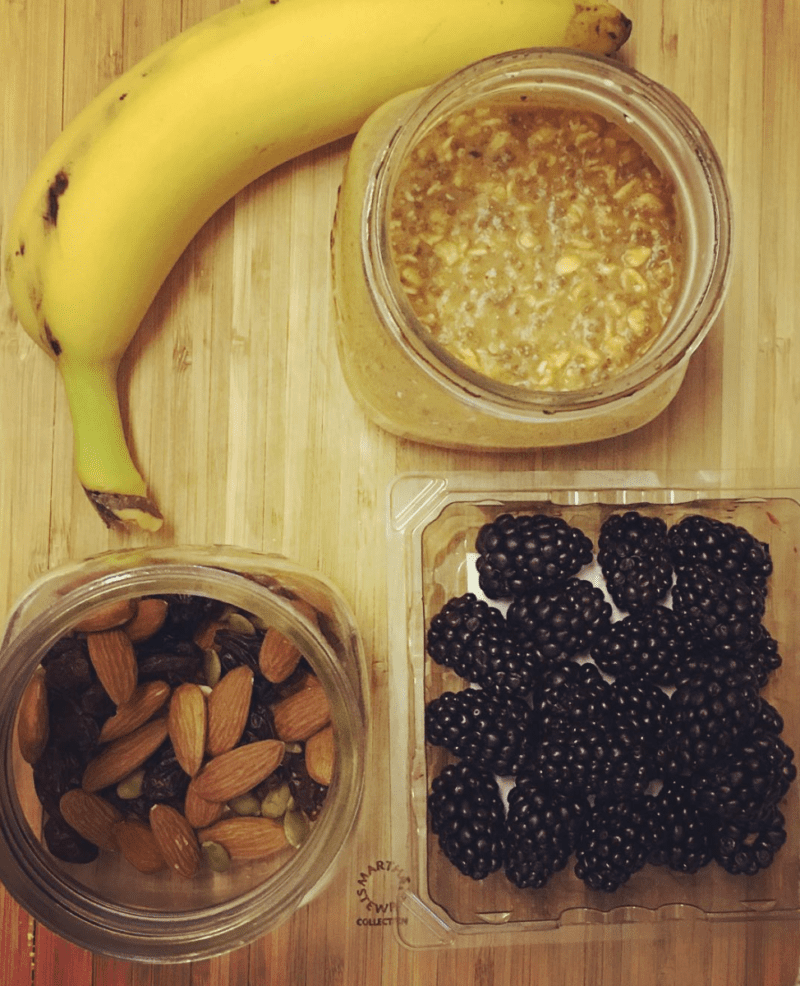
(107, 906)
(412, 387)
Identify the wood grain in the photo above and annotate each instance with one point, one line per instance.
(241, 421)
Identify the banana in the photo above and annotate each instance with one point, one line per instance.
(128, 183)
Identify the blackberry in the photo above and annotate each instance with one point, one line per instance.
(571, 694)
(683, 833)
(541, 831)
(467, 815)
(562, 621)
(474, 725)
(519, 554)
(614, 843)
(652, 645)
(608, 760)
(504, 666)
(745, 786)
(460, 629)
(730, 550)
(709, 709)
(743, 851)
(633, 555)
(725, 611)
(645, 708)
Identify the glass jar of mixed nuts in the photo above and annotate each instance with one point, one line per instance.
(183, 735)
(528, 253)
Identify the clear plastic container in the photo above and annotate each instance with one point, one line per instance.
(408, 384)
(432, 524)
(108, 906)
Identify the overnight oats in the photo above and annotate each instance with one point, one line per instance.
(528, 253)
(538, 245)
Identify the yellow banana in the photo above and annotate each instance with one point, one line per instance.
(125, 187)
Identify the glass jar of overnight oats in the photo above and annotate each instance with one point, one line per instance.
(528, 253)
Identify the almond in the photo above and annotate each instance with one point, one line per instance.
(114, 659)
(228, 708)
(278, 656)
(146, 700)
(187, 726)
(33, 718)
(199, 812)
(91, 816)
(138, 845)
(320, 755)
(307, 610)
(302, 713)
(204, 638)
(246, 838)
(124, 755)
(175, 839)
(238, 771)
(150, 616)
(110, 616)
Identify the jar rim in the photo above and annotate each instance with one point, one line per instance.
(615, 90)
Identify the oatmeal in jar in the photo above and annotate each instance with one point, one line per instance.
(539, 245)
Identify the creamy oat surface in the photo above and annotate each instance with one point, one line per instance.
(539, 245)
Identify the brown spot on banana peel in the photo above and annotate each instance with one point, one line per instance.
(55, 190)
(52, 342)
(118, 509)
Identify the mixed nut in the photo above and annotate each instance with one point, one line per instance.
(178, 731)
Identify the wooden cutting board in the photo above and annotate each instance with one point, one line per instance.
(241, 421)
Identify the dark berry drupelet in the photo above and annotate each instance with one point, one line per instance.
(724, 611)
(519, 554)
(709, 709)
(633, 555)
(683, 833)
(614, 843)
(746, 785)
(563, 621)
(477, 726)
(729, 550)
(743, 851)
(468, 816)
(541, 831)
(651, 645)
(463, 627)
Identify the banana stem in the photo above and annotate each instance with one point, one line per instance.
(102, 457)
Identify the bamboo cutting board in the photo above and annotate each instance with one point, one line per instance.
(241, 421)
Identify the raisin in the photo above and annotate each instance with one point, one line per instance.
(164, 778)
(71, 726)
(65, 844)
(260, 724)
(96, 702)
(183, 664)
(57, 771)
(70, 672)
(309, 796)
(236, 648)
